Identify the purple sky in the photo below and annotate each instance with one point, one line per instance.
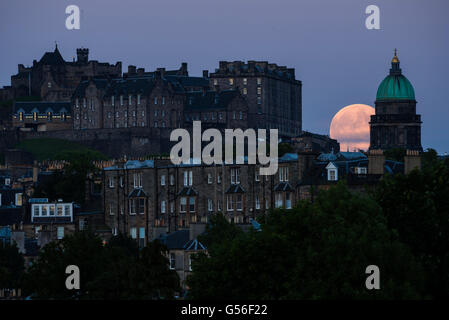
(339, 61)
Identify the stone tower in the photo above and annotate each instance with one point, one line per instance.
(395, 123)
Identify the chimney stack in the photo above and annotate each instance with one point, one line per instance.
(376, 162)
(205, 73)
(412, 160)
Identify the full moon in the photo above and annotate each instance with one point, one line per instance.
(350, 126)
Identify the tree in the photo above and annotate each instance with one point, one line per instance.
(317, 250)
(117, 270)
(11, 266)
(417, 206)
(70, 184)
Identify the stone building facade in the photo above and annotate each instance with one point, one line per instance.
(159, 99)
(274, 95)
(147, 198)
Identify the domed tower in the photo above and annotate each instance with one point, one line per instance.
(395, 124)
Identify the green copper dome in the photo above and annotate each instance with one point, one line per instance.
(395, 86)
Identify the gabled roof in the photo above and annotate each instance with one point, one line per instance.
(195, 245)
(137, 193)
(187, 191)
(52, 58)
(235, 188)
(283, 186)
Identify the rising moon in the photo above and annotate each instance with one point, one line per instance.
(350, 126)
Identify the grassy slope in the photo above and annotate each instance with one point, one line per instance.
(56, 149)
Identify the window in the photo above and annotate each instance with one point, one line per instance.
(155, 124)
(137, 180)
(172, 261)
(111, 209)
(183, 204)
(36, 211)
(172, 206)
(231, 81)
(112, 100)
(245, 91)
(215, 82)
(239, 202)
(172, 180)
(219, 178)
(192, 204)
(60, 210)
(257, 202)
(267, 204)
(18, 199)
(230, 206)
(209, 178)
(235, 176)
(278, 200)
(163, 206)
(233, 115)
(133, 232)
(155, 100)
(163, 101)
(143, 113)
(138, 99)
(129, 100)
(188, 178)
(288, 200)
(332, 175)
(283, 174)
(141, 205)
(190, 262)
(241, 115)
(259, 100)
(163, 180)
(210, 205)
(44, 211)
(259, 91)
(257, 174)
(141, 237)
(132, 206)
(60, 233)
(219, 205)
(259, 81)
(121, 100)
(245, 81)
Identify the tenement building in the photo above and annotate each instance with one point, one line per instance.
(42, 116)
(146, 199)
(273, 94)
(395, 124)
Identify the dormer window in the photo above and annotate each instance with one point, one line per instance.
(332, 172)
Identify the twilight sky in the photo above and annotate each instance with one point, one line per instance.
(339, 61)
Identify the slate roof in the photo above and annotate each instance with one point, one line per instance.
(10, 215)
(199, 100)
(187, 191)
(175, 240)
(137, 193)
(42, 107)
(194, 245)
(283, 186)
(186, 81)
(52, 58)
(235, 188)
